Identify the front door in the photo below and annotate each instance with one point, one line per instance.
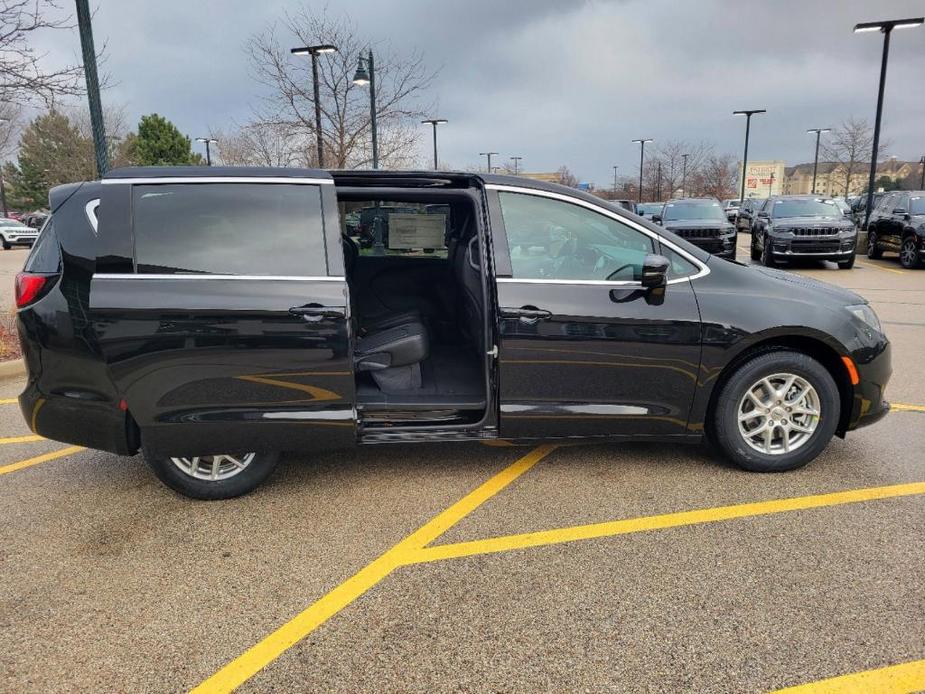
(585, 351)
(224, 331)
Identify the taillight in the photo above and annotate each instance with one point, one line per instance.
(30, 287)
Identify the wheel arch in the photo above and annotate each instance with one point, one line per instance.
(809, 345)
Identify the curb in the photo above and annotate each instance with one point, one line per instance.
(12, 369)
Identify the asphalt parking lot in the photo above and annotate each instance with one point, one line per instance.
(599, 567)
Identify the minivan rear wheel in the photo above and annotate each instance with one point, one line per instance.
(218, 476)
(776, 412)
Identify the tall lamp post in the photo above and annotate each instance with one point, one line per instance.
(615, 181)
(684, 174)
(489, 155)
(658, 182)
(771, 184)
(435, 122)
(818, 132)
(886, 28)
(314, 52)
(366, 74)
(922, 162)
(84, 26)
(2, 187)
(208, 141)
(748, 122)
(642, 156)
(516, 161)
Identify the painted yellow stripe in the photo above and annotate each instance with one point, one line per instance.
(885, 269)
(895, 679)
(9, 401)
(21, 439)
(507, 543)
(906, 407)
(29, 462)
(245, 666)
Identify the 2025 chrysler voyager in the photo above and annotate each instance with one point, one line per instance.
(216, 316)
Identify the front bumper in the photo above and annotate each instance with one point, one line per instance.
(20, 239)
(874, 370)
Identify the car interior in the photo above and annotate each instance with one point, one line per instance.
(413, 268)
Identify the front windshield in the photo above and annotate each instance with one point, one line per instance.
(804, 207)
(693, 210)
(650, 208)
(917, 204)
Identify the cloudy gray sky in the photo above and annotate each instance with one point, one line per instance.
(555, 82)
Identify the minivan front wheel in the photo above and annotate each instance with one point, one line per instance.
(777, 412)
(218, 476)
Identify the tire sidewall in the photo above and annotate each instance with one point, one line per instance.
(243, 483)
(872, 245)
(726, 426)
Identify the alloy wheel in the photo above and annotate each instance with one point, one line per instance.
(779, 414)
(214, 467)
(908, 253)
(871, 245)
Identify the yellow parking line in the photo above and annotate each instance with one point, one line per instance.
(507, 543)
(245, 666)
(885, 269)
(9, 401)
(44, 458)
(906, 407)
(21, 439)
(897, 679)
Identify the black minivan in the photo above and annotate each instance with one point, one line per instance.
(214, 317)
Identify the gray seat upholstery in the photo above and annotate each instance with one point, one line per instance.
(393, 356)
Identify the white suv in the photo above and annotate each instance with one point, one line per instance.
(13, 233)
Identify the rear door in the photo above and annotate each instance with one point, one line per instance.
(584, 351)
(222, 312)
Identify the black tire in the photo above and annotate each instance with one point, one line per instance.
(767, 257)
(6, 246)
(244, 482)
(756, 252)
(732, 256)
(908, 253)
(846, 264)
(725, 417)
(873, 252)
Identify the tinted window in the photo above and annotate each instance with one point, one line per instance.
(229, 228)
(804, 207)
(45, 255)
(693, 210)
(917, 205)
(680, 267)
(551, 239)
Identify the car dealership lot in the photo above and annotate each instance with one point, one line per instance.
(110, 581)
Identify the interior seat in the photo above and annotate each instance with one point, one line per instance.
(393, 356)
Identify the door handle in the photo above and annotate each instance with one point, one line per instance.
(528, 314)
(317, 312)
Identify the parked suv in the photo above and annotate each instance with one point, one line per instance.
(213, 317)
(732, 209)
(803, 226)
(747, 214)
(14, 233)
(897, 225)
(701, 221)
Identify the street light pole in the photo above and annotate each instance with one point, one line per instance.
(516, 161)
(207, 141)
(434, 122)
(2, 186)
(748, 122)
(642, 156)
(770, 184)
(314, 52)
(615, 181)
(658, 182)
(886, 28)
(366, 74)
(922, 162)
(818, 132)
(684, 174)
(489, 155)
(93, 86)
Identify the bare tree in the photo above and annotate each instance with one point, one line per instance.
(263, 144)
(24, 80)
(670, 154)
(716, 178)
(10, 124)
(849, 148)
(345, 107)
(566, 177)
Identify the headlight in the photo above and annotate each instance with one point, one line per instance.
(866, 315)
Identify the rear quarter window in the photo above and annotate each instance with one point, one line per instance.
(45, 256)
(228, 228)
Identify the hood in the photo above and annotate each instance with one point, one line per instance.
(823, 290)
(834, 220)
(697, 224)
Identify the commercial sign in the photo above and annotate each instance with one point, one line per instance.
(763, 178)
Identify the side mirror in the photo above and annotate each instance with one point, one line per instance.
(763, 214)
(655, 271)
(657, 218)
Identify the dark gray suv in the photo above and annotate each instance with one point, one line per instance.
(703, 222)
(803, 226)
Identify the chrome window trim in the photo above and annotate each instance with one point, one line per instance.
(218, 179)
(91, 211)
(704, 270)
(178, 276)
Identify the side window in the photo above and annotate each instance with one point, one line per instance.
(551, 239)
(45, 255)
(228, 229)
(902, 201)
(680, 266)
(398, 229)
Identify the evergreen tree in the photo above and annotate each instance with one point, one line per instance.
(159, 143)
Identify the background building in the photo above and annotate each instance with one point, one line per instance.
(833, 178)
